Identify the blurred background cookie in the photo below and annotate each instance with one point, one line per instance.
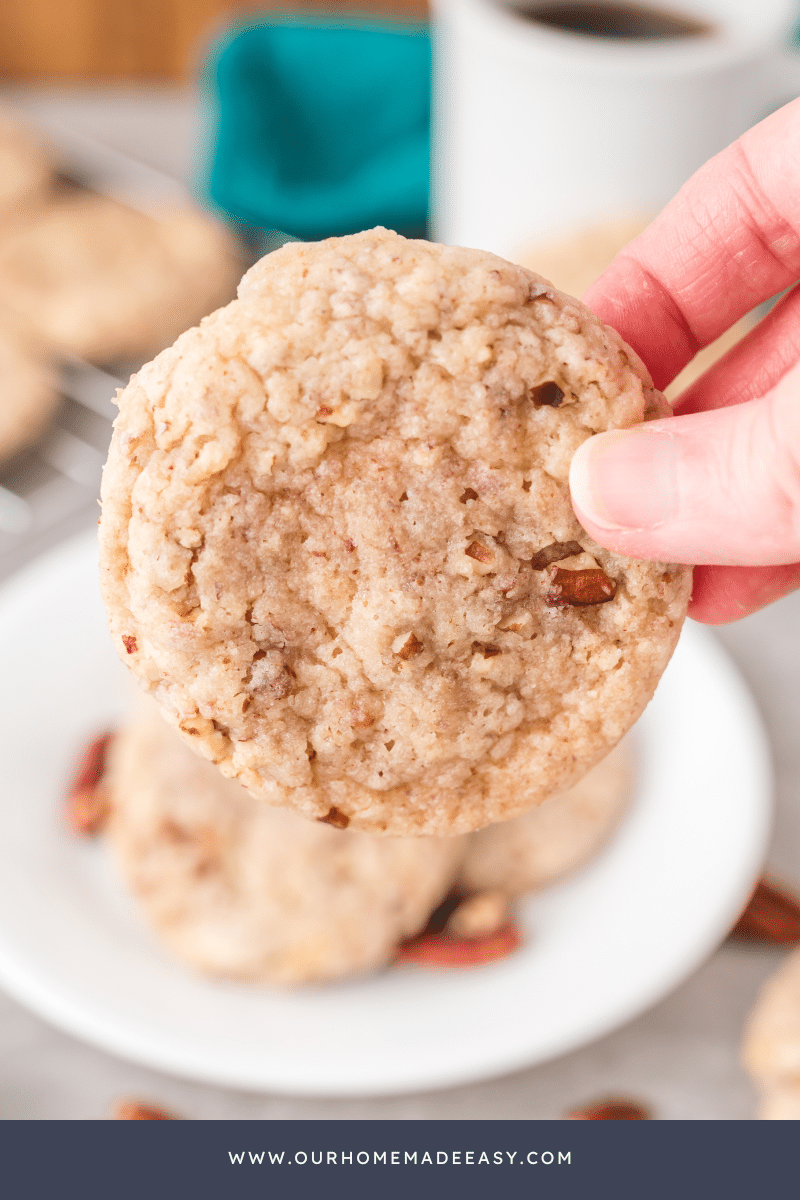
(771, 1051)
(91, 277)
(240, 889)
(563, 833)
(26, 170)
(574, 261)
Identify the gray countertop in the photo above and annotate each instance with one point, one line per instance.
(681, 1058)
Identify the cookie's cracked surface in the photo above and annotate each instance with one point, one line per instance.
(324, 514)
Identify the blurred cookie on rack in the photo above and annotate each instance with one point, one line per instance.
(28, 393)
(240, 889)
(91, 277)
(26, 170)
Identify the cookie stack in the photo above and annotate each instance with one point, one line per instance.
(240, 889)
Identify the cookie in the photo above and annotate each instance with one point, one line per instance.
(337, 542)
(532, 850)
(771, 1050)
(239, 889)
(28, 395)
(25, 167)
(93, 278)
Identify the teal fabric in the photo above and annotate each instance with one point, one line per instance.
(321, 127)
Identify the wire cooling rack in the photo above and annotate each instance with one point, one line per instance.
(51, 489)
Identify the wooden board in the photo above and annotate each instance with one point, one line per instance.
(135, 40)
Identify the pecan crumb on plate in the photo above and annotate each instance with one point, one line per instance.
(87, 799)
(771, 917)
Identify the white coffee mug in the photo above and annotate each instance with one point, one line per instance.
(538, 132)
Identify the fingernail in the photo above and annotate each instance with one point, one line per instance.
(627, 478)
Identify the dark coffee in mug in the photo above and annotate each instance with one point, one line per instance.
(626, 22)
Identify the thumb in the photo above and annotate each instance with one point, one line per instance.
(716, 487)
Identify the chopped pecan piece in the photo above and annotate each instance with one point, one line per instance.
(87, 799)
(410, 647)
(487, 651)
(612, 1109)
(360, 719)
(130, 643)
(592, 586)
(480, 915)
(479, 552)
(467, 494)
(549, 394)
(516, 621)
(771, 918)
(336, 818)
(137, 1110)
(442, 950)
(554, 553)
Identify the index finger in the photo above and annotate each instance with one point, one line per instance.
(729, 240)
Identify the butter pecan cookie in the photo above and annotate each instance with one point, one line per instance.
(240, 889)
(338, 545)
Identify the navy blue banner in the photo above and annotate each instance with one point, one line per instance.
(576, 1160)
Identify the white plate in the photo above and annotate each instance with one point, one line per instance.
(600, 947)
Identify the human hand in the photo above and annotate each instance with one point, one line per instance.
(719, 483)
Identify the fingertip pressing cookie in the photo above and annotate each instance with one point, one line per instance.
(338, 547)
(240, 889)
